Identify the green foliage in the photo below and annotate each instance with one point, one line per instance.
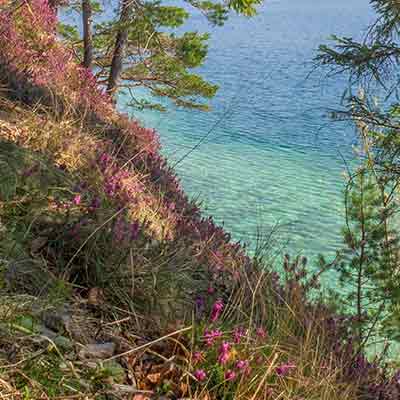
(370, 269)
(157, 55)
(246, 7)
(216, 13)
(388, 24)
(166, 16)
(374, 59)
(191, 48)
(369, 261)
(69, 32)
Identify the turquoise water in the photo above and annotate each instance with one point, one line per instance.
(275, 157)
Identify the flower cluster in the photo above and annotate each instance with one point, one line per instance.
(38, 54)
(236, 358)
(284, 369)
(238, 334)
(224, 353)
(125, 232)
(132, 175)
(217, 310)
(211, 336)
(42, 58)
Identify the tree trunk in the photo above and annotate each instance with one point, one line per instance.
(87, 34)
(119, 48)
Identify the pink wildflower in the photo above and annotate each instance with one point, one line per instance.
(200, 375)
(197, 357)
(95, 204)
(238, 334)
(211, 336)
(77, 200)
(134, 230)
(223, 356)
(259, 360)
(260, 332)
(230, 375)
(217, 310)
(284, 369)
(242, 364)
(119, 230)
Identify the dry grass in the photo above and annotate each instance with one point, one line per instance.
(138, 295)
(68, 143)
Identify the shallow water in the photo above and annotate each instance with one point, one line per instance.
(275, 157)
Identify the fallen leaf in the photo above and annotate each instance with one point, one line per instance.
(140, 396)
(95, 296)
(154, 378)
(184, 388)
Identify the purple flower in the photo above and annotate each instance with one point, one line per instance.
(260, 332)
(223, 353)
(242, 365)
(200, 375)
(230, 375)
(211, 336)
(77, 200)
(95, 204)
(217, 310)
(134, 230)
(200, 305)
(30, 171)
(197, 357)
(104, 161)
(119, 230)
(238, 334)
(284, 369)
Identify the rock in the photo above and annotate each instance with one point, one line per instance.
(124, 389)
(57, 320)
(60, 341)
(28, 324)
(98, 351)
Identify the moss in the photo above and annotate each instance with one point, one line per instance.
(50, 376)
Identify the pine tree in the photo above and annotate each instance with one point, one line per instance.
(372, 264)
(369, 258)
(141, 46)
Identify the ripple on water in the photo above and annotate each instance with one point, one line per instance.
(274, 158)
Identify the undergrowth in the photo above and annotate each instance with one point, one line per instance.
(112, 283)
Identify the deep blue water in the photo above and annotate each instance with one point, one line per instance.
(275, 158)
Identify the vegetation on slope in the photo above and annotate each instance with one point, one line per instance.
(370, 267)
(112, 284)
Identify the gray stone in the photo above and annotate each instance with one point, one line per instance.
(98, 351)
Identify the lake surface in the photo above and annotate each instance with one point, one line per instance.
(274, 157)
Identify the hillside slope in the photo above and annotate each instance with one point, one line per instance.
(112, 283)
